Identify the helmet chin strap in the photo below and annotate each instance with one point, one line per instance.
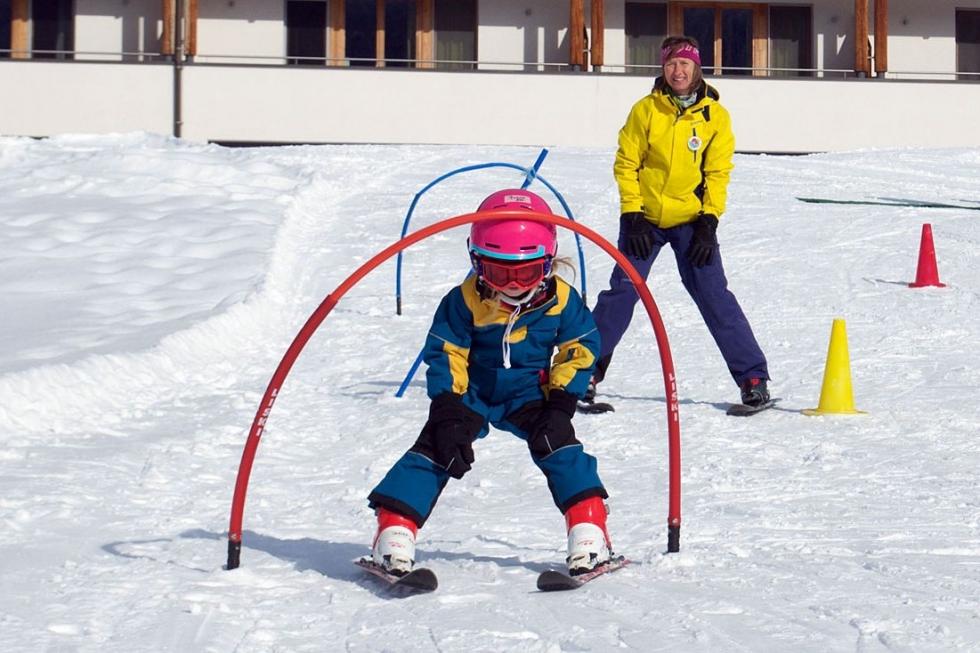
(518, 305)
(518, 301)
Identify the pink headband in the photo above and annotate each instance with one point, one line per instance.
(684, 51)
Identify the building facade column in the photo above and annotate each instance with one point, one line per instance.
(862, 65)
(190, 20)
(576, 42)
(167, 32)
(881, 37)
(597, 46)
(336, 33)
(425, 34)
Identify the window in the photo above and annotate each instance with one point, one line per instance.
(968, 43)
(306, 32)
(361, 32)
(455, 26)
(789, 40)
(736, 41)
(392, 33)
(364, 32)
(53, 36)
(646, 28)
(399, 32)
(4, 28)
(732, 35)
(360, 27)
(699, 22)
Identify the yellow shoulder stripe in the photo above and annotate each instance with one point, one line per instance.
(458, 358)
(562, 291)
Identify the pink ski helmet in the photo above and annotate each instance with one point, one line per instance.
(513, 255)
(514, 240)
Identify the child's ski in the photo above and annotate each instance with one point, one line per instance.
(419, 579)
(556, 581)
(743, 410)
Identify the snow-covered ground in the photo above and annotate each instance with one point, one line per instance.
(149, 287)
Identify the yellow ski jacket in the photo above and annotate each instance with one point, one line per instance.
(674, 164)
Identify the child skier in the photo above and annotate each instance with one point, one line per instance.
(489, 356)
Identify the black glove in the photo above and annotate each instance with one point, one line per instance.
(704, 241)
(637, 234)
(553, 428)
(451, 430)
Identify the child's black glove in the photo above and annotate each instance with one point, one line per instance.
(452, 427)
(553, 428)
(637, 235)
(704, 241)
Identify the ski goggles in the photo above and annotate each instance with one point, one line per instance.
(511, 276)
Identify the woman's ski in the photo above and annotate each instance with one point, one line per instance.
(744, 410)
(593, 407)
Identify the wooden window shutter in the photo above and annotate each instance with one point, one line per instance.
(424, 33)
(336, 34)
(167, 35)
(760, 40)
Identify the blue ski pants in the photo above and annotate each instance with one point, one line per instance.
(413, 485)
(708, 288)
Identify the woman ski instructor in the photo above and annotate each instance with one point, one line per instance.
(672, 169)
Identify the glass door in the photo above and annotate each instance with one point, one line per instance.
(360, 31)
(789, 41)
(736, 41)
(4, 28)
(968, 43)
(726, 32)
(646, 28)
(399, 33)
(306, 32)
(456, 34)
(699, 22)
(53, 29)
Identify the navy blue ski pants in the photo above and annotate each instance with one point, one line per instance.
(708, 288)
(413, 485)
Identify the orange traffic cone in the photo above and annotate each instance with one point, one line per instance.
(927, 274)
(836, 396)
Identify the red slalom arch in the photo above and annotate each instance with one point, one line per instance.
(331, 300)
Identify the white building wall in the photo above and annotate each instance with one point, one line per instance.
(614, 36)
(833, 25)
(242, 29)
(921, 35)
(298, 104)
(922, 41)
(57, 98)
(787, 115)
(522, 32)
(115, 26)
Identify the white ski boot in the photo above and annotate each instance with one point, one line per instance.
(588, 541)
(394, 543)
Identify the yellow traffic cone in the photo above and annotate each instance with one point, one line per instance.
(836, 396)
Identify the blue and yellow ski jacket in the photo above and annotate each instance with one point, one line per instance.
(481, 348)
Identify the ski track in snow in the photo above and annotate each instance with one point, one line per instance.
(155, 284)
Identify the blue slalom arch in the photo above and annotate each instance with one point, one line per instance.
(530, 175)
